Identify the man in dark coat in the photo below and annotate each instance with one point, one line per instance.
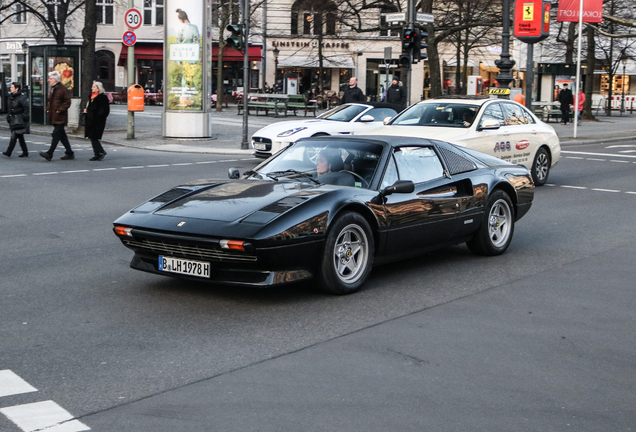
(566, 99)
(96, 111)
(18, 117)
(57, 105)
(396, 94)
(353, 93)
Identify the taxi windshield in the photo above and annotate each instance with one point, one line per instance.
(438, 114)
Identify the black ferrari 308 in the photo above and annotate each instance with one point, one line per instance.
(328, 209)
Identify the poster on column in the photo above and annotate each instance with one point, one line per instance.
(185, 68)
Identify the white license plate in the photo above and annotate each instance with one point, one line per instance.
(184, 266)
(260, 146)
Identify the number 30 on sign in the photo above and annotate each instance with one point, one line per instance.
(133, 19)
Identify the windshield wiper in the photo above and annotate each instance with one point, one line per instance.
(252, 172)
(290, 172)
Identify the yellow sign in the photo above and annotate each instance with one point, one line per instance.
(499, 91)
(528, 11)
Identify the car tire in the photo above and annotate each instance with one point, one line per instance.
(348, 255)
(497, 227)
(541, 167)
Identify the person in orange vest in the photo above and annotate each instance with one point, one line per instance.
(520, 98)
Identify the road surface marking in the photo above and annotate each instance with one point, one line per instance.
(12, 384)
(43, 416)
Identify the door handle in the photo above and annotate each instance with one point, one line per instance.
(534, 132)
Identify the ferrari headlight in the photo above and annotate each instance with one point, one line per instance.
(291, 131)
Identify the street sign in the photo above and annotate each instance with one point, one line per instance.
(129, 38)
(395, 17)
(424, 17)
(133, 19)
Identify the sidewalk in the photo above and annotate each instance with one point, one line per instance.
(227, 137)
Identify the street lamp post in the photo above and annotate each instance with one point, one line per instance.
(624, 61)
(25, 78)
(505, 64)
(275, 52)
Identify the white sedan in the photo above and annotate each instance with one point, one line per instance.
(501, 128)
(347, 119)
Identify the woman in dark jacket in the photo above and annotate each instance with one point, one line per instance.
(18, 119)
(96, 112)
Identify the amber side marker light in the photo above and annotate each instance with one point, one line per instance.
(232, 244)
(123, 231)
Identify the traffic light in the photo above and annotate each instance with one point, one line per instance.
(419, 45)
(405, 59)
(408, 37)
(236, 39)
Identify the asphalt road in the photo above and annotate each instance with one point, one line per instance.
(439, 342)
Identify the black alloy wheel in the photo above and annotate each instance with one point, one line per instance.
(541, 167)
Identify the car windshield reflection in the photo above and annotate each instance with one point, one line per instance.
(339, 163)
(438, 114)
(343, 113)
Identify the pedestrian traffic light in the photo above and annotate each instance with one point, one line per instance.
(236, 39)
(405, 60)
(419, 44)
(408, 37)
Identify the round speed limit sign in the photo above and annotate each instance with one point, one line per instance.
(133, 19)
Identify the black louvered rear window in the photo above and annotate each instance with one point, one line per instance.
(283, 205)
(456, 162)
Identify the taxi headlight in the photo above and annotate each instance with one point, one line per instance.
(291, 131)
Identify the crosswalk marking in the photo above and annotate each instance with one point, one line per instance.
(12, 384)
(46, 416)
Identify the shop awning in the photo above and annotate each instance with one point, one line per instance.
(232, 55)
(312, 62)
(143, 51)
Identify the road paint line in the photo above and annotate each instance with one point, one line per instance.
(617, 161)
(47, 173)
(630, 192)
(573, 187)
(183, 164)
(132, 167)
(605, 190)
(568, 152)
(248, 159)
(595, 159)
(229, 160)
(206, 162)
(621, 146)
(12, 384)
(157, 166)
(75, 171)
(14, 175)
(549, 185)
(46, 415)
(574, 157)
(105, 169)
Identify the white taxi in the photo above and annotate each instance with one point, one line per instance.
(346, 119)
(501, 128)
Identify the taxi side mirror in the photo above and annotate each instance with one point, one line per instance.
(489, 124)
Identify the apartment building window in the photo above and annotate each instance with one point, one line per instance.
(104, 11)
(153, 12)
(52, 10)
(20, 16)
(316, 19)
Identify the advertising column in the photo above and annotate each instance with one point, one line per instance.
(186, 64)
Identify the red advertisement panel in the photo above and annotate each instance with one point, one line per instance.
(569, 10)
(528, 18)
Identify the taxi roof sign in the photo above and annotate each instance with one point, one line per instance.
(499, 91)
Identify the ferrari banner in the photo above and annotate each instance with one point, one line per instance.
(569, 10)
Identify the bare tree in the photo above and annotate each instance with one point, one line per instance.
(54, 15)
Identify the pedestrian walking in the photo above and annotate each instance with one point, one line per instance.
(97, 111)
(396, 94)
(57, 105)
(18, 118)
(581, 97)
(566, 99)
(353, 93)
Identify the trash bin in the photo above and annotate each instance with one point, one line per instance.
(135, 98)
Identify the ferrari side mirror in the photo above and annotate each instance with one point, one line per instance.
(400, 186)
(233, 173)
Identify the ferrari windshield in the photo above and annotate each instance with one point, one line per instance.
(343, 113)
(438, 114)
(337, 162)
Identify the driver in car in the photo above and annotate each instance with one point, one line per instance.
(328, 166)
